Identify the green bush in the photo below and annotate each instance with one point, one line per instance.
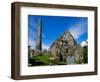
(85, 54)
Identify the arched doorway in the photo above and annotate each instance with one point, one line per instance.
(61, 57)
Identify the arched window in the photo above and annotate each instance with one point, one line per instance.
(66, 42)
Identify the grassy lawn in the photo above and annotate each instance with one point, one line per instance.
(41, 59)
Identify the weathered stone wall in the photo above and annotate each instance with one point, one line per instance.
(64, 46)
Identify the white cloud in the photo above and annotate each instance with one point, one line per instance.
(78, 29)
(44, 46)
(87, 40)
(33, 23)
(84, 43)
(32, 43)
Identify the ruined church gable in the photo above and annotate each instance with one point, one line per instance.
(65, 45)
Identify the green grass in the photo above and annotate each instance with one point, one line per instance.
(44, 59)
(41, 58)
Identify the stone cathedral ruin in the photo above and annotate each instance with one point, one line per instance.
(64, 50)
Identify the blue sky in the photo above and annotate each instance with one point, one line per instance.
(54, 26)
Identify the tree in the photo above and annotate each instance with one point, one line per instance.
(85, 54)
